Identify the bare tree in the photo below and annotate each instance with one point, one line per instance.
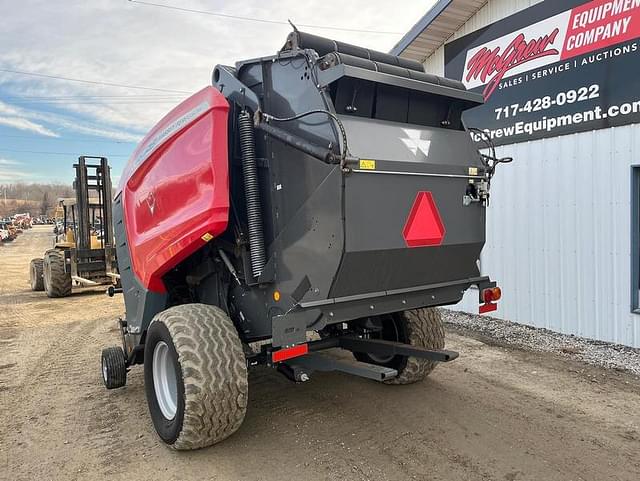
(45, 205)
(23, 197)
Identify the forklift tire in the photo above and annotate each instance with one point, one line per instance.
(35, 275)
(57, 282)
(195, 376)
(418, 327)
(114, 367)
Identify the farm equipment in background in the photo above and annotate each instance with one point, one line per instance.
(22, 221)
(328, 190)
(83, 253)
(5, 234)
(9, 231)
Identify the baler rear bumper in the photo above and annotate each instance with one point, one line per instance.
(290, 328)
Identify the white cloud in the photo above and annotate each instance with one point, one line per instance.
(9, 162)
(121, 42)
(23, 119)
(87, 128)
(24, 124)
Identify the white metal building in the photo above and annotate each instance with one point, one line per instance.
(563, 221)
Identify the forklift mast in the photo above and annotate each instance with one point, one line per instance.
(93, 178)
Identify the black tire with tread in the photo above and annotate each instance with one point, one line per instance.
(417, 327)
(211, 373)
(57, 282)
(424, 328)
(35, 274)
(114, 367)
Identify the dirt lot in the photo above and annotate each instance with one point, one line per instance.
(495, 413)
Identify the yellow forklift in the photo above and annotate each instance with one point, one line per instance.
(83, 254)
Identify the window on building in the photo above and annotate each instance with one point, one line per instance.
(635, 239)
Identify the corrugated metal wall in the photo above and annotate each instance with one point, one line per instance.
(559, 225)
(559, 234)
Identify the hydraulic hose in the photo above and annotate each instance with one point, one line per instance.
(251, 193)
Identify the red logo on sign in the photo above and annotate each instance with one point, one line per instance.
(424, 226)
(494, 64)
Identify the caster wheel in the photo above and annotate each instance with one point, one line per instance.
(114, 368)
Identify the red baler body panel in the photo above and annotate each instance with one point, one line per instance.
(175, 188)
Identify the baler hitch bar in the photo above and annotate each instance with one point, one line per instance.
(381, 348)
(299, 368)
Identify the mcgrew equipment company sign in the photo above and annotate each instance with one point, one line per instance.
(558, 67)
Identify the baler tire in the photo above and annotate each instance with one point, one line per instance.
(114, 367)
(417, 327)
(424, 328)
(56, 282)
(35, 274)
(203, 346)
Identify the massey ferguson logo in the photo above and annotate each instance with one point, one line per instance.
(489, 66)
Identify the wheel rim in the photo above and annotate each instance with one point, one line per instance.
(164, 380)
(105, 373)
(389, 332)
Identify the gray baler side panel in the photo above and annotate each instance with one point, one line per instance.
(286, 88)
(294, 177)
(311, 244)
(302, 203)
(289, 89)
(140, 304)
(306, 194)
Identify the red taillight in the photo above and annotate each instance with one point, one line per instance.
(492, 294)
(488, 307)
(489, 297)
(289, 352)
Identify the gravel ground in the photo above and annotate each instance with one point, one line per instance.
(598, 353)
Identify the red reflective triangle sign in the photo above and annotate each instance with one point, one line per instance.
(424, 226)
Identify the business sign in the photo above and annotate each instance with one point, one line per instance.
(559, 67)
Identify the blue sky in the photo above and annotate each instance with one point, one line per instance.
(46, 123)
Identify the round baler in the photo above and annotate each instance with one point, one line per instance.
(328, 189)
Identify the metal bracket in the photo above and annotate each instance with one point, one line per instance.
(381, 348)
(84, 282)
(290, 328)
(225, 80)
(302, 367)
(390, 348)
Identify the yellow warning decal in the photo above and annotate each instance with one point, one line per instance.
(367, 164)
(207, 237)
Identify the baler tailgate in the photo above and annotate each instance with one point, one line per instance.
(405, 221)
